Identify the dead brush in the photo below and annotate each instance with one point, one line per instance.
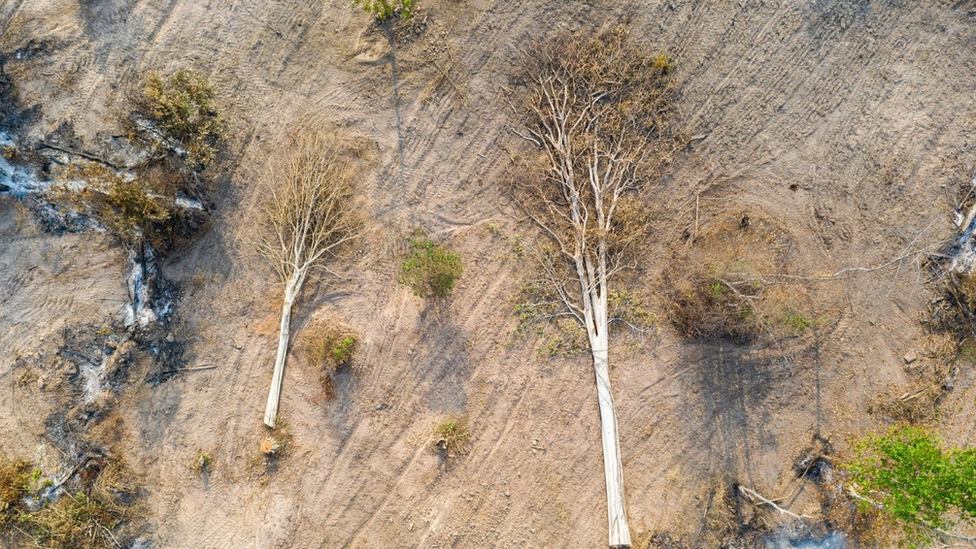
(725, 285)
(956, 312)
(718, 525)
(452, 437)
(328, 344)
(94, 513)
(931, 380)
(15, 479)
(707, 307)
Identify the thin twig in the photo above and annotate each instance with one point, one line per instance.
(86, 156)
(197, 369)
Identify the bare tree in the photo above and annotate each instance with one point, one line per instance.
(594, 110)
(309, 215)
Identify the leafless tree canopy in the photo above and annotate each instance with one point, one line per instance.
(598, 112)
(310, 211)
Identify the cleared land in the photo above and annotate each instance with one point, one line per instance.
(845, 127)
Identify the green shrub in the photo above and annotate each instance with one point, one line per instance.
(385, 9)
(342, 350)
(183, 108)
(911, 477)
(430, 270)
(797, 322)
(202, 463)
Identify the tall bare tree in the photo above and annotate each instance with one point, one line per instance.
(594, 110)
(310, 213)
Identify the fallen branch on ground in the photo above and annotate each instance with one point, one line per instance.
(755, 496)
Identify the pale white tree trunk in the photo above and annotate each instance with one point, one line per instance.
(612, 464)
(291, 291)
(597, 329)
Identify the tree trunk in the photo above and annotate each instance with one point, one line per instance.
(612, 464)
(271, 411)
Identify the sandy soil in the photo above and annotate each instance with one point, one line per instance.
(848, 124)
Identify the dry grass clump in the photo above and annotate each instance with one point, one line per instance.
(327, 344)
(15, 480)
(726, 284)
(452, 437)
(966, 284)
(92, 512)
(330, 346)
(76, 521)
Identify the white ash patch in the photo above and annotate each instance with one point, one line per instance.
(15, 179)
(92, 377)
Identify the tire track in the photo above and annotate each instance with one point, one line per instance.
(161, 20)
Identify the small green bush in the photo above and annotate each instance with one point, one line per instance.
(907, 472)
(183, 108)
(430, 270)
(342, 350)
(202, 463)
(385, 9)
(797, 322)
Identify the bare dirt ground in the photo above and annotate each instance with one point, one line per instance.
(847, 124)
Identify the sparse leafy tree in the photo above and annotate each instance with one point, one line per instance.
(909, 475)
(594, 110)
(309, 215)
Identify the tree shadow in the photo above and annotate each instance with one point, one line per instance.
(443, 366)
(737, 390)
